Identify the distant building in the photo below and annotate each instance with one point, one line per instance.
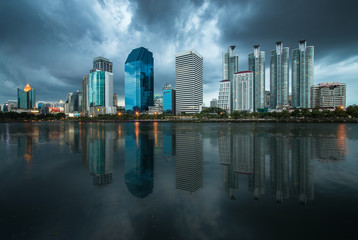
(157, 108)
(267, 99)
(100, 87)
(139, 80)
(189, 82)
(168, 99)
(76, 102)
(328, 95)
(26, 99)
(115, 100)
(214, 103)
(243, 91)
(257, 66)
(224, 101)
(302, 75)
(279, 63)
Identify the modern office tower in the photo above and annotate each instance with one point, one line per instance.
(224, 101)
(279, 62)
(302, 75)
(139, 161)
(75, 102)
(302, 169)
(85, 106)
(328, 95)
(189, 159)
(257, 66)
(189, 82)
(115, 100)
(257, 179)
(214, 103)
(279, 171)
(99, 151)
(168, 99)
(243, 91)
(100, 87)
(230, 67)
(26, 99)
(139, 80)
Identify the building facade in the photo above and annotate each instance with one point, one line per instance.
(257, 66)
(224, 101)
(189, 82)
(214, 103)
(328, 95)
(139, 80)
(279, 76)
(168, 99)
(100, 87)
(26, 99)
(302, 75)
(85, 107)
(243, 91)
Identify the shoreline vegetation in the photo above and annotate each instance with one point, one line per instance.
(339, 115)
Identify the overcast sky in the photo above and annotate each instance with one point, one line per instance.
(51, 44)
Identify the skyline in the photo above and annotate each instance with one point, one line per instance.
(50, 45)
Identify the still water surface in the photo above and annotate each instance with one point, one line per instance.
(178, 181)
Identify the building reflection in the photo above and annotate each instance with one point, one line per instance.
(98, 152)
(189, 159)
(168, 141)
(139, 161)
(279, 172)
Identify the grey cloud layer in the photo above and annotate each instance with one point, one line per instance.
(51, 44)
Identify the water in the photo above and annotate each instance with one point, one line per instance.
(178, 181)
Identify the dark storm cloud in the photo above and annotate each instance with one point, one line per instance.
(51, 43)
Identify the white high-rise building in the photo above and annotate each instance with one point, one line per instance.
(230, 67)
(328, 95)
(243, 91)
(224, 101)
(189, 82)
(257, 66)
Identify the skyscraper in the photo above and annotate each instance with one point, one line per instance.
(85, 107)
(26, 98)
(257, 66)
(302, 75)
(168, 99)
(243, 91)
(100, 87)
(279, 62)
(230, 67)
(189, 81)
(139, 80)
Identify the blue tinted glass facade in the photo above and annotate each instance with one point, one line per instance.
(26, 100)
(139, 80)
(168, 101)
(96, 89)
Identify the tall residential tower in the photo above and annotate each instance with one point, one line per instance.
(189, 82)
(230, 67)
(279, 62)
(302, 75)
(257, 66)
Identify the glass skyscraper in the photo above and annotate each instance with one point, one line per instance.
(26, 98)
(168, 99)
(139, 80)
(230, 67)
(257, 66)
(279, 62)
(100, 85)
(302, 75)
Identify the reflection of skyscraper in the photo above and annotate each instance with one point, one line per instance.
(25, 147)
(279, 172)
(189, 160)
(257, 179)
(230, 178)
(100, 154)
(302, 169)
(168, 141)
(139, 162)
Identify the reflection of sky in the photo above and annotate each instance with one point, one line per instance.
(58, 199)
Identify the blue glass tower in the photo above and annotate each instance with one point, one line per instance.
(26, 98)
(168, 99)
(138, 77)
